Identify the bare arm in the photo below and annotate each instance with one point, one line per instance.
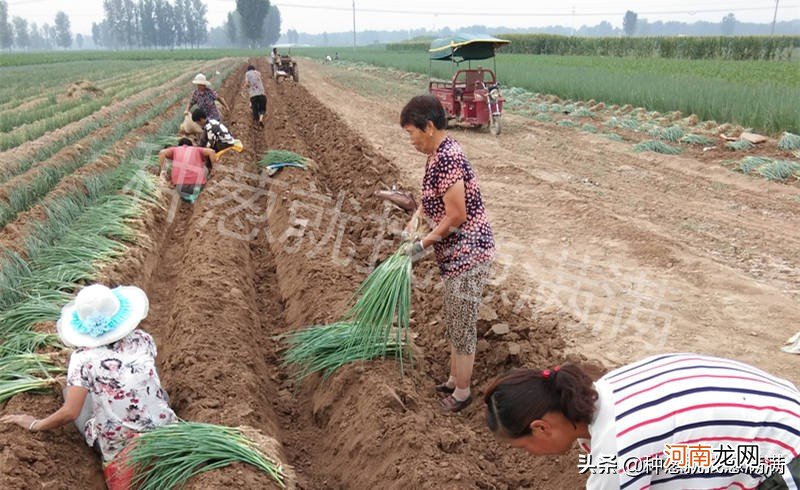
(455, 214)
(69, 411)
(164, 155)
(211, 154)
(222, 101)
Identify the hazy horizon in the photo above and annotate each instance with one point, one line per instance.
(337, 16)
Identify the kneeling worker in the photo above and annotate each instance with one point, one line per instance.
(190, 167)
(215, 135)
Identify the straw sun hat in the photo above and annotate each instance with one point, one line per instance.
(200, 79)
(99, 315)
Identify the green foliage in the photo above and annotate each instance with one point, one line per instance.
(167, 456)
(20, 59)
(789, 142)
(700, 47)
(582, 112)
(697, 139)
(612, 136)
(739, 145)
(779, 170)
(748, 164)
(763, 95)
(657, 146)
(375, 326)
(281, 156)
(672, 133)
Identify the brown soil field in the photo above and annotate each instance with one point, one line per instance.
(604, 255)
(645, 252)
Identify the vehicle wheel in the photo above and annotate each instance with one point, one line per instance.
(296, 74)
(495, 126)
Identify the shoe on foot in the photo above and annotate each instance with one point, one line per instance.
(450, 404)
(444, 389)
(794, 347)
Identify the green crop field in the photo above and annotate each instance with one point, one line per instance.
(19, 59)
(763, 95)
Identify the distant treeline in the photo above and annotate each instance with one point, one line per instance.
(696, 48)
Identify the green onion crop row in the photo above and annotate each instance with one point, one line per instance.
(166, 457)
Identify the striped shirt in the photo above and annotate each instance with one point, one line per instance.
(697, 400)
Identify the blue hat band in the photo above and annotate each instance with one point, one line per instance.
(98, 325)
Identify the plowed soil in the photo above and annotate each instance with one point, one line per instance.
(646, 252)
(576, 217)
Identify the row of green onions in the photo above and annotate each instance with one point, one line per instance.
(82, 232)
(166, 457)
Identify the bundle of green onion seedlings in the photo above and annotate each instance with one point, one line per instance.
(20, 372)
(168, 456)
(375, 326)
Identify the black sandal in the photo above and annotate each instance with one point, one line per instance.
(450, 404)
(444, 389)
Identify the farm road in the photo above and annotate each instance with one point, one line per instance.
(646, 252)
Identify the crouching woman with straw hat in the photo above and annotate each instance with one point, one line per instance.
(204, 97)
(113, 390)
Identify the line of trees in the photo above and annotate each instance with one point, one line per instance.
(17, 33)
(151, 24)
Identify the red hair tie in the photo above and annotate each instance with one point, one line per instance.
(547, 372)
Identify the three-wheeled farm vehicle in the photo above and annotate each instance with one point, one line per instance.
(472, 96)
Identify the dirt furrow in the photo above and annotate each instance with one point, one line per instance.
(367, 426)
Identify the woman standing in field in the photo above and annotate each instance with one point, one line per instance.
(258, 98)
(113, 390)
(461, 238)
(641, 422)
(204, 96)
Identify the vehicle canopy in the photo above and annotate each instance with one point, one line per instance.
(463, 47)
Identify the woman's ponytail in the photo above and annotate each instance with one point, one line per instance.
(515, 400)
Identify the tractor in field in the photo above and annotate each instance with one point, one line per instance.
(472, 96)
(285, 67)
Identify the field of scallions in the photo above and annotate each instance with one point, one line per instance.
(235, 287)
(297, 342)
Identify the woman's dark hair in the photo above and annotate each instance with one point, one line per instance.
(420, 110)
(518, 398)
(250, 67)
(199, 114)
(185, 142)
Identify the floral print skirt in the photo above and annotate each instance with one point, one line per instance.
(462, 296)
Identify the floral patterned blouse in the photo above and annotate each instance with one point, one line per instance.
(473, 242)
(125, 391)
(205, 100)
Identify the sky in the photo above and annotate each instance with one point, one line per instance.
(317, 16)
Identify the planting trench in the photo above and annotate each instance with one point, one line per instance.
(254, 258)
